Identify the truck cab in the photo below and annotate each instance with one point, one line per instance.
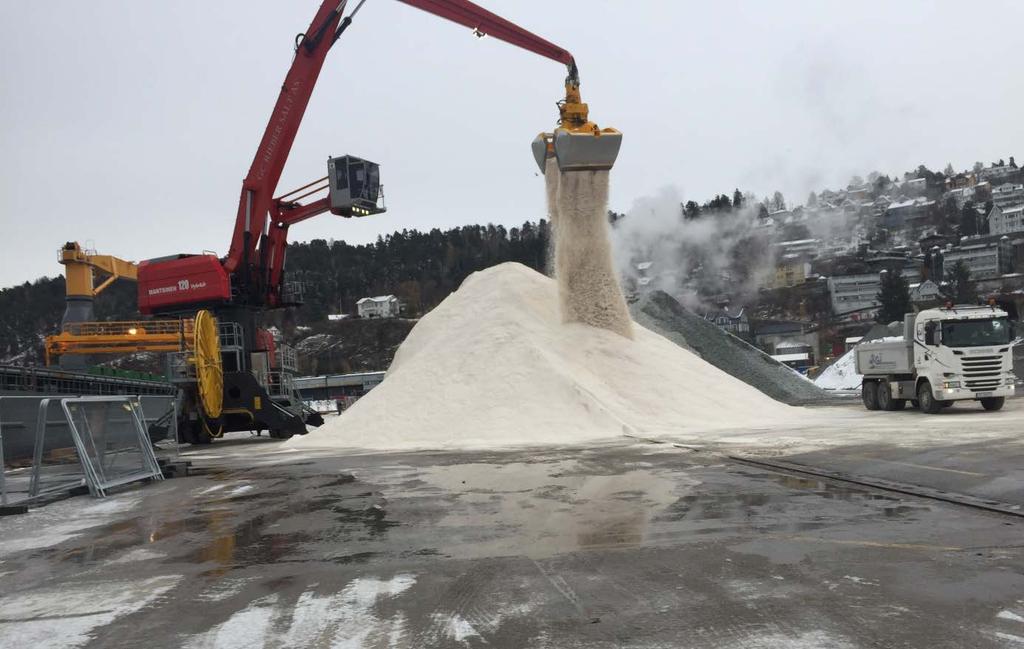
(956, 353)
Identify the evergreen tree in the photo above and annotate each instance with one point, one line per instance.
(737, 199)
(812, 200)
(691, 210)
(949, 170)
(983, 219)
(778, 201)
(894, 297)
(961, 288)
(968, 220)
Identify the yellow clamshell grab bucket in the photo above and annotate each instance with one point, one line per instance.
(577, 144)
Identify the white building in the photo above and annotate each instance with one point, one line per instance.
(857, 295)
(382, 306)
(982, 259)
(1008, 194)
(926, 291)
(1004, 220)
(850, 293)
(808, 247)
(994, 174)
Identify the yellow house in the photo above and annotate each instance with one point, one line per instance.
(789, 272)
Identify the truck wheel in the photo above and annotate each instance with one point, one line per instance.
(885, 400)
(869, 394)
(993, 403)
(926, 401)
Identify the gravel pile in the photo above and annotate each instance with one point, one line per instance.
(662, 314)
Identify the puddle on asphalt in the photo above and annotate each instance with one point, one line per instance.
(541, 509)
(828, 490)
(536, 509)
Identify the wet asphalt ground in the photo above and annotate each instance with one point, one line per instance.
(618, 545)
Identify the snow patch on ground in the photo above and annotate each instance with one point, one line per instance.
(1010, 615)
(345, 620)
(238, 491)
(1009, 636)
(808, 640)
(64, 617)
(138, 554)
(62, 521)
(456, 627)
(841, 375)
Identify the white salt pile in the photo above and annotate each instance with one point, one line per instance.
(493, 365)
(841, 375)
(588, 286)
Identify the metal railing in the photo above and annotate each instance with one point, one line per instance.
(281, 384)
(55, 443)
(231, 336)
(287, 358)
(129, 328)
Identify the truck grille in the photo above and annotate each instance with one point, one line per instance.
(981, 373)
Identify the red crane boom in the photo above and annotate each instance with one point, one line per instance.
(251, 273)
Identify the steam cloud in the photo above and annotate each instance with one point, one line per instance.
(692, 260)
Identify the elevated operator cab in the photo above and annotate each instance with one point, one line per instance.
(355, 188)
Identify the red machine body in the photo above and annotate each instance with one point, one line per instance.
(184, 283)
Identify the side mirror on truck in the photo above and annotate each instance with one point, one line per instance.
(929, 334)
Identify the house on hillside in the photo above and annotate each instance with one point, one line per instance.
(382, 306)
(925, 293)
(1004, 220)
(980, 257)
(997, 173)
(907, 213)
(1008, 194)
(790, 270)
(731, 319)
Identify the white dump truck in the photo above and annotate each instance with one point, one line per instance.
(952, 354)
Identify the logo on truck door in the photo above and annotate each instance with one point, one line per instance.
(875, 362)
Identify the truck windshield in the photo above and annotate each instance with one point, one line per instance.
(975, 333)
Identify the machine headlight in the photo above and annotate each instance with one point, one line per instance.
(951, 384)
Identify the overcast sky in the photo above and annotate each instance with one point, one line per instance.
(130, 125)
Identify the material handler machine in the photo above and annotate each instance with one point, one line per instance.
(249, 280)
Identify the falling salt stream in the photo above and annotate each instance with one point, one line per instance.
(588, 287)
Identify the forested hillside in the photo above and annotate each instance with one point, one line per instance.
(422, 268)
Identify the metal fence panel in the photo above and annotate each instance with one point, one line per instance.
(112, 440)
(56, 462)
(160, 418)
